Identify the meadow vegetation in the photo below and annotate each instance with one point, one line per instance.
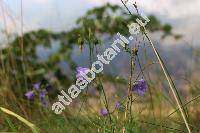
(142, 101)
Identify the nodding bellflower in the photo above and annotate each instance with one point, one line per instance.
(104, 112)
(30, 95)
(81, 70)
(118, 105)
(140, 87)
(37, 86)
(43, 93)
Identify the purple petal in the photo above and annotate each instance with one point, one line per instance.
(36, 86)
(117, 105)
(81, 70)
(104, 112)
(30, 95)
(43, 93)
(140, 87)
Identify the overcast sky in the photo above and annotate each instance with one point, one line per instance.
(61, 14)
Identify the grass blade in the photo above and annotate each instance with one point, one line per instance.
(32, 126)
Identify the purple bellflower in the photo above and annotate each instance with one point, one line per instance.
(104, 112)
(140, 87)
(43, 93)
(118, 105)
(36, 86)
(81, 70)
(30, 95)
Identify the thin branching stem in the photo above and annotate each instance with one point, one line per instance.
(167, 75)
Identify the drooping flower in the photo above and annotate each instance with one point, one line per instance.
(104, 112)
(30, 95)
(81, 70)
(37, 85)
(43, 93)
(118, 105)
(140, 87)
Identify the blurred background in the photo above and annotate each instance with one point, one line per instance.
(61, 15)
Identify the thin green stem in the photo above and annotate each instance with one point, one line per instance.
(106, 102)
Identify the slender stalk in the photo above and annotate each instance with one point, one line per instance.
(22, 45)
(32, 126)
(167, 75)
(170, 82)
(184, 105)
(129, 88)
(106, 102)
